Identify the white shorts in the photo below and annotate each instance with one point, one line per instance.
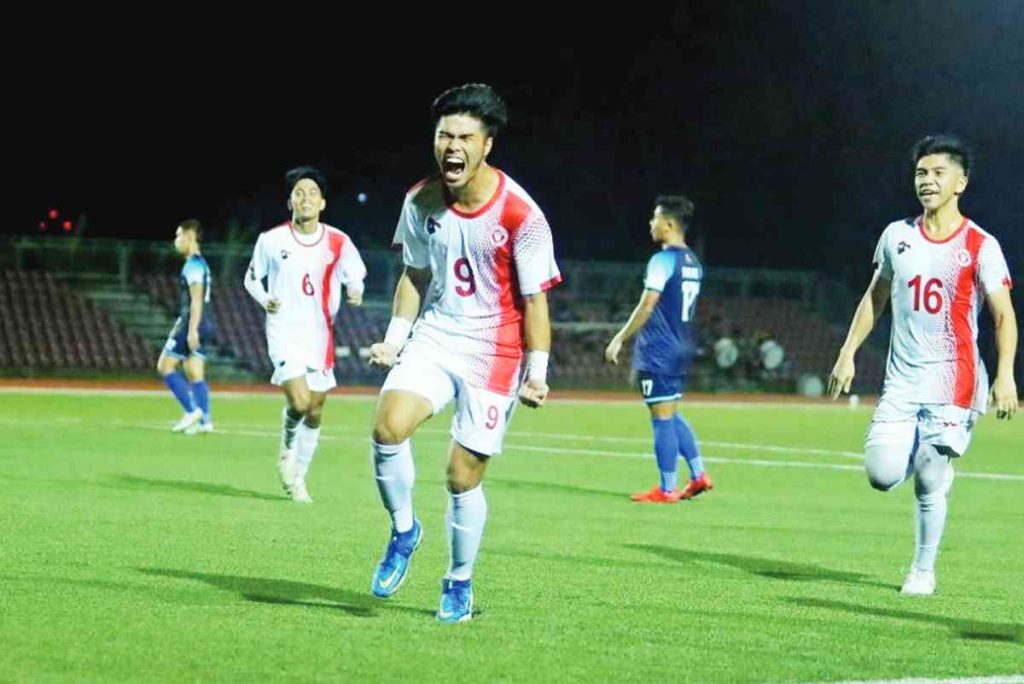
(289, 369)
(900, 424)
(481, 416)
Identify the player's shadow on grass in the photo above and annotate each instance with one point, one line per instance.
(762, 567)
(965, 629)
(290, 593)
(529, 486)
(133, 482)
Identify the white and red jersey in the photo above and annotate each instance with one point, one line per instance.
(305, 274)
(482, 264)
(937, 289)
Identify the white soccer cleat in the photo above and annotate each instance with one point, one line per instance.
(199, 428)
(919, 582)
(286, 467)
(299, 493)
(188, 420)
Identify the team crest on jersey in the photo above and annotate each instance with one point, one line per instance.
(902, 247)
(432, 225)
(963, 257)
(327, 256)
(284, 253)
(499, 236)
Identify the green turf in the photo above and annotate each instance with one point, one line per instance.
(129, 553)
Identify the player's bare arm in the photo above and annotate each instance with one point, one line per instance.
(872, 305)
(409, 295)
(637, 320)
(537, 331)
(195, 314)
(1004, 389)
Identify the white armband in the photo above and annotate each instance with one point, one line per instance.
(537, 366)
(398, 332)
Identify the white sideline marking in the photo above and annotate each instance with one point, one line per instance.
(602, 453)
(826, 406)
(994, 679)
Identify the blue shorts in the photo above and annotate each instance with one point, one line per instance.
(657, 388)
(176, 346)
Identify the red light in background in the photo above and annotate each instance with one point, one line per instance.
(53, 214)
(42, 226)
(66, 226)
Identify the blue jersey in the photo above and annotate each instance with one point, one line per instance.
(194, 272)
(667, 342)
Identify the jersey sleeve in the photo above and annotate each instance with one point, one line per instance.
(259, 268)
(410, 235)
(533, 250)
(659, 270)
(883, 256)
(993, 273)
(352, 270)
(194, 272)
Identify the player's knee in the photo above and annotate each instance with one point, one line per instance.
(931, 472)
(389, 429)
(312, 417)
(164, 366)
(300, 404)
(884, 472)
(459, 479)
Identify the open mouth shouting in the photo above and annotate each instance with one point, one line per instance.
(453, 168)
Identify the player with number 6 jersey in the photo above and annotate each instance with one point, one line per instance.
(665, 347)
(297, 273)
(935, 271)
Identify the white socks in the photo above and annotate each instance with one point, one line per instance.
(306, 439)
(467, 513)
(393, 467)
(934, 477)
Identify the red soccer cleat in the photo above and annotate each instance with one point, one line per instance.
(696, 486)
(656, 495)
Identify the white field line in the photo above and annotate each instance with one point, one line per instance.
(435, 433)
(994, 679)
(84, 391)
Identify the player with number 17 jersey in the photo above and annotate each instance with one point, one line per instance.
(666, 345)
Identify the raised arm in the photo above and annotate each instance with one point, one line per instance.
(409, 295)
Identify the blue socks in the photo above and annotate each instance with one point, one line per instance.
(688, 446)
(666, 450)
(201, 392)
(178, 385)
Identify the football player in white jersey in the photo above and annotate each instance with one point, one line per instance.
(935, 270)
(296, 274)
(479, 260)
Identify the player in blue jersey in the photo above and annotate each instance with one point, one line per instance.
(665, 348)
(192, 330)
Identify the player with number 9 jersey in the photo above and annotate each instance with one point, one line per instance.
(482, 263)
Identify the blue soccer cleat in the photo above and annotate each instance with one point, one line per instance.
(395, 565)
(456, 601)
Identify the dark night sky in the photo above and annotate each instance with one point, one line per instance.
(788, 122)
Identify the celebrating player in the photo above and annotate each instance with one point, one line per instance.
(935, 269)
(479, 258)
